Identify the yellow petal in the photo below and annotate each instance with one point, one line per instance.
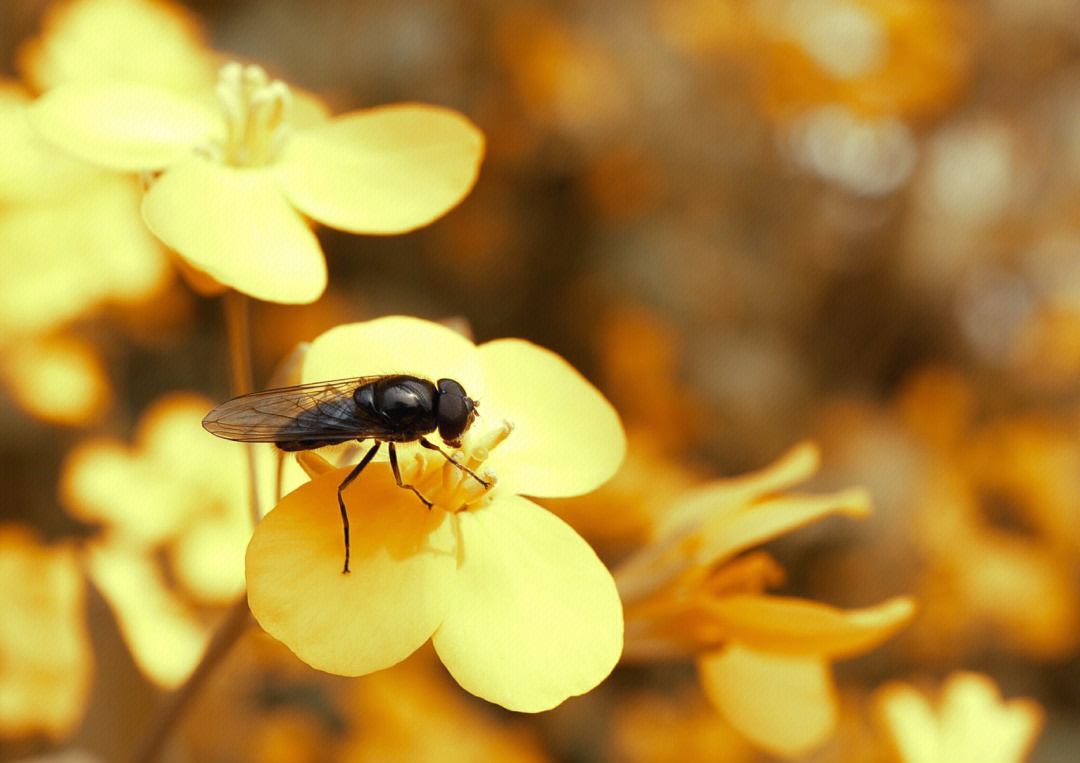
(45, 650)
(971, 725)
(537, 618)
(208, 559)
(59, 378)
(727, 534)
(55, 271)
(567, 438)
(400, 585)
(724, 497)
(32, 170)
(797, 626)
(165, 637)
(235, 226)
(911, 723)
(980, 726)
(395, 344)
(158, 43)
(121, 125)
(385, 170)
(786, 705)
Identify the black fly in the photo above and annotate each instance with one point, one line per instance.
(388, 409)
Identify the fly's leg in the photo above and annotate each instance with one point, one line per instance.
(397, 476)
(341, 501)
(467, 470)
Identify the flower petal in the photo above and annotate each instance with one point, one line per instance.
(31, 169)
(400, 584)
(910, 721)
(121, 125)
(567, 438)
(537, 618)
(385, 170)
(727, 534)
(786, 705)
(133, 40)
(396, 344)
(55, 270)
(797, 626)
(235, 226)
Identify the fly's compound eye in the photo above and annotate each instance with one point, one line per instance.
(451, 387)
(455, 414)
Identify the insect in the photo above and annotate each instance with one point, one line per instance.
(390, 409)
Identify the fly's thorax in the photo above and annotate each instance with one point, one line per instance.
(449, 487)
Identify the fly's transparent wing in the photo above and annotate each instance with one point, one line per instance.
(322, 411)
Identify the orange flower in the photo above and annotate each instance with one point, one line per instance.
(764, 661)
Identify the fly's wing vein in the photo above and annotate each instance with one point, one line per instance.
(323, 410)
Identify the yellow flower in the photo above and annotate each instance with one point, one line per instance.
(173, 522)
(56, 378)
(45, 657)
(970, 725)
(237, 178)
(67, 230)
(151, 41)
(519, 608)
(764, 661)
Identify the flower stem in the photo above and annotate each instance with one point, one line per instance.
(238, 327)
(232, 628)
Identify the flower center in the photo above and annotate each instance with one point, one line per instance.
(449, 487)
(253, 106)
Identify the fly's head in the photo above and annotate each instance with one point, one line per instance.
(455, 411)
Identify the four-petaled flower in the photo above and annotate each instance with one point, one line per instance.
(229, 187)
(519, 608)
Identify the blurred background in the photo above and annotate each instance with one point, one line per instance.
(750, 223)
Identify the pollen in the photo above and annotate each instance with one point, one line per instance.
(447, 485)
(253, 106)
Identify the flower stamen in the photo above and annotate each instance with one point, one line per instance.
(253, 106)
(446, 484)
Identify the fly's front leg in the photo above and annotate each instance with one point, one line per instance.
(467, 470)
(341, 501)
(397, 476)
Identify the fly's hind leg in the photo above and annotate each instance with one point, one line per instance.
(341, 501)
(432, 446)
(397, 476)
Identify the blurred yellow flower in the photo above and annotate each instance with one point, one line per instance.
(70, 239)
(56, 378)
(45, 657)
(70, 232)
(174, 518)
(970, 724)
(151, 41)
(234, 180)
(764, 661)
(978, 517)
(519, 608)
